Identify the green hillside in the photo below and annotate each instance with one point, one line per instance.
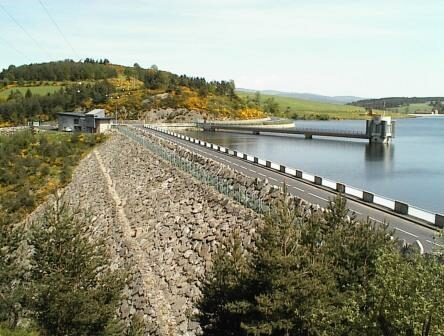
(414, 108)
(303, 109)
(39, 90)
(132, 92)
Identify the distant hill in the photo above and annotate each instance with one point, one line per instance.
(307, 96)
(395, 102)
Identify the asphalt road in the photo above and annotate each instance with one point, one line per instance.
(403, 228)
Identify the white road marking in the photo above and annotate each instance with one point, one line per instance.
(406, 232)
(298, 189)
(356, 212)
(235, 164)
(428, 241)
(324, 199)
(253, 171)
(262, 174)
(272, 178)
(376, 220)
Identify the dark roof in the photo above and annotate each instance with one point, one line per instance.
(82, 115)
(72, 114)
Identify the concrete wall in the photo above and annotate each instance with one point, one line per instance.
(65, 122)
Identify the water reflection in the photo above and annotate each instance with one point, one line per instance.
(379, 152)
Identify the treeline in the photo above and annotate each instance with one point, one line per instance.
(269, 105)
(392, 102)
(322, 274)
(20, 108)
(155, 79)
(66, 70)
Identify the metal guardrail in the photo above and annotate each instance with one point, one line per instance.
(398, 207)
(237, 192)
(320, 130)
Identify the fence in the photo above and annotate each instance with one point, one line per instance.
(235, 191)
(398, 207)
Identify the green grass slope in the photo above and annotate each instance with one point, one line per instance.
(39, 90)
(296, 108)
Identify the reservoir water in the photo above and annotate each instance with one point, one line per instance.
(410, 169)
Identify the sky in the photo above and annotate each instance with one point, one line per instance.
(366, 48)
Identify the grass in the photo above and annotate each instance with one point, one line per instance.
(304, 109)
(36, 90)
(5, 331)
(413, 108)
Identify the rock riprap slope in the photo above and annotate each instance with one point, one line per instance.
(163, 223)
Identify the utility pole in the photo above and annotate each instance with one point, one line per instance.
(117, 104)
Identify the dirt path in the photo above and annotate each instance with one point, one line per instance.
(155, 295)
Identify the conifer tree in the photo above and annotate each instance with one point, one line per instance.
(74, 290)
(222, 287)
(13, 286)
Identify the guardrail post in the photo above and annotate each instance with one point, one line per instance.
(234, 153)
(401, 208)
(256, 160)
(282, 169)
(367, 197)
(268, 164)
(298, 173)
(439, 220)
(340, 188)
(245, 156)
(318, 180)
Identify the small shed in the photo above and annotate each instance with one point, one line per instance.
(94, 121)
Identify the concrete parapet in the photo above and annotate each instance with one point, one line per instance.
(439, 220)
(401, 208)
(234, 153)
(367, 197)
(282, 169)
(298, 173)
(245, 157)
(318, 180)
(340, 188)
(268, 164)
(256, 160)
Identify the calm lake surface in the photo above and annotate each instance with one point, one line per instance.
(410, 169)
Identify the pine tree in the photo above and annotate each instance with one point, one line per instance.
(74, 291)
(13, 286)
(222, 287)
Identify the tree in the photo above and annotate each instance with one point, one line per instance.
(257, 98)
(270, 105)
(406, 293)
(222, 287)
(13, 287)
(74, 292)
(322, 274)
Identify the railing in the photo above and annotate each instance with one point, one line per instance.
(237, 192)
(398, 207)
(325, 130)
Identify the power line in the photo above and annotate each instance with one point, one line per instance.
(58, 28)
(24, 30)
(10, 45)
